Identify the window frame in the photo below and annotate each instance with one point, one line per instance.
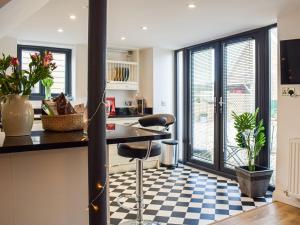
(68, 68)
(261, 97)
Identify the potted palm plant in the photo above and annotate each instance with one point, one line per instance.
(253, 179)
(15, 88)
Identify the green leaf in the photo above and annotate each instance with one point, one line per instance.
(250, 135)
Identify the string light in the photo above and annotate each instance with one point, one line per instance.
(99, 186)
(102, 188)
(102, 102)
(95, 207)
(98, 107)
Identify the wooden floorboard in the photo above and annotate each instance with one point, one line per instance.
(272, 214)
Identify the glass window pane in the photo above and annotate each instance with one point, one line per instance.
(203, 83)
(25, 66)
(59, 74)
(273, 103)
(180, 103)
(239, 94)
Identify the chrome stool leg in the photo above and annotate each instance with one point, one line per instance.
(139, 191)
(139, 198)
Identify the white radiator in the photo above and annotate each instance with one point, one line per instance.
(294, 168)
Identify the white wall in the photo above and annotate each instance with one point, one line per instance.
(157, 79)
(163, 81)
(146, 75)
(8, 45)
(81, 70)
(288, 113)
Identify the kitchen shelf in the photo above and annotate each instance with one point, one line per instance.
(120, 85)
(122, 75)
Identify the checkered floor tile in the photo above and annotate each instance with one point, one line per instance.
(181, 196)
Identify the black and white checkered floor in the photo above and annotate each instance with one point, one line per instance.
(181, 196)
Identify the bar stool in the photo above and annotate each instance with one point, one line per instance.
(141, 151)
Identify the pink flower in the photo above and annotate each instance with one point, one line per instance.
(46, 62)
(14, 61)
(47, 58)
(34, 56)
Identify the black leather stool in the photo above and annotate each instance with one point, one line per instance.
(141, 151)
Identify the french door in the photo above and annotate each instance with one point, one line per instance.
(203, 106)
(223, 78)
(238, 95)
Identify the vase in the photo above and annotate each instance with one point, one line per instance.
(47, 93)
(17, 115)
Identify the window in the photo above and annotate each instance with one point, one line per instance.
(62, 74)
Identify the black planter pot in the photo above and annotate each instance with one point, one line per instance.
(253, 183)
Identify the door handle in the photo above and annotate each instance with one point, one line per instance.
(221, 104)
(215, 104)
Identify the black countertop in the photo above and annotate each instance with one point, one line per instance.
(43, 140)
(128, 116)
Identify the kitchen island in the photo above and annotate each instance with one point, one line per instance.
(43, 177)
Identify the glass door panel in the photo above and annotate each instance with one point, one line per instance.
(202, 105)
(273, 40)
(239, 71)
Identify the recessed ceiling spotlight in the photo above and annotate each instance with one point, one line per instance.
(72, 17)
(191, 6)
(123, 38)
(144, 28)
(60, 30)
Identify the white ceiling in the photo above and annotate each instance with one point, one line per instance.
(171, 24)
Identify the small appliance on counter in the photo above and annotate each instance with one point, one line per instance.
(140, 104)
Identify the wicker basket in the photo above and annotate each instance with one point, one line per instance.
(61, 123)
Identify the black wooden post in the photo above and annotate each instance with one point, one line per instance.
(97, 172)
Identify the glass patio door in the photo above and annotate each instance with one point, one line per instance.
(222, 81)
(221, 77)
(239, 72)
(203, 105)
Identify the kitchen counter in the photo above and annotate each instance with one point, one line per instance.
(128, 116)
(43, 140)
(49, 187)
